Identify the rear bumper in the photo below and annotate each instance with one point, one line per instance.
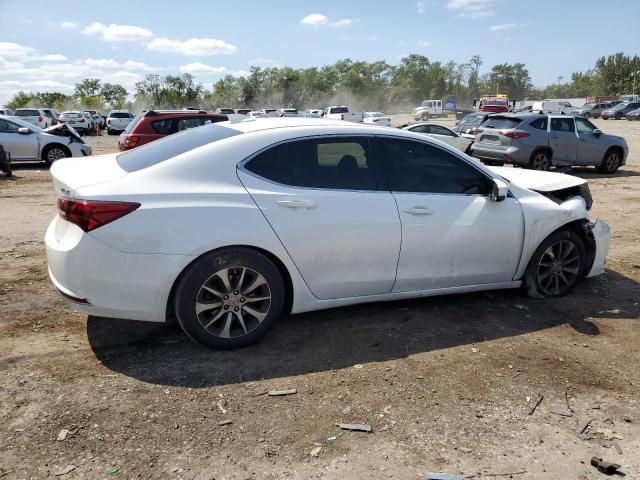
(97, 279)
(508, 155)
(602, 235)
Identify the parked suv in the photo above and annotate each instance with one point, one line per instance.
(470, 123)
(541, 141)
(118, 120)
(155, 124)
(34, 116)
(619, 111)
(76, 120)
(592, 109)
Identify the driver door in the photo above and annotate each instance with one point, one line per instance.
(21, 146)
(591, 148)
(453, 234)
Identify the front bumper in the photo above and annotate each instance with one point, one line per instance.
(602, 235)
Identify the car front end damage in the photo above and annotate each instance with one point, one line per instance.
(75, 143)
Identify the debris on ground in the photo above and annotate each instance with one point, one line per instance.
(605, 467)
(112, 470)
(520, 307)
(583, 426)
(355, 427)
(278, 393)
(64, 470)
(331, 438)
(315, 452)
(224, 422)
(562, 411)
(537, 404)
(618, 448)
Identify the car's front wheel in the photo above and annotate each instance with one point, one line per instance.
(425, 116)
(52, 153)
(556, 266)
(611, 162)
(229, 298)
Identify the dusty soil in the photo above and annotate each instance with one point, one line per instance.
(446, 383)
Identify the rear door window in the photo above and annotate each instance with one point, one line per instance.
(539, 123)
(563, 125)
(420, 129)
(438, 130)
(6, 126)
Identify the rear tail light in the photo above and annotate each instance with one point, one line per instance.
(342, 117)
(513, 134)
(81, 120)
(130, 141)
(39, 119)
(92, 214)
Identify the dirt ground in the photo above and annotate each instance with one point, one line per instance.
(447, 383)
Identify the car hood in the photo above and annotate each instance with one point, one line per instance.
(62, 130)
(536, 180)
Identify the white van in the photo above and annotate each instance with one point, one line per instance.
(552, 106)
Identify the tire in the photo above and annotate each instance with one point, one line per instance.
(227, 279)
(540, 160)
(586, 115)
(556, 266)
(425, 117)
(611, 161)
(109, 131)
(492, 163)
(54, 152)
(605, 118)
(618, 116)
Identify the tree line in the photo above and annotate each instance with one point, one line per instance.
(362, 85)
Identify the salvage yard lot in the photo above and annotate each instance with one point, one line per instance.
(447, 383)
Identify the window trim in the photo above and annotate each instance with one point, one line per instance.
(379, 177)
(380, 161)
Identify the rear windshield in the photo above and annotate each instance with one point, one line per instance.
(471, 121)
(27, 113)
(133, 123)
(226, 110)
(339, 110)
(502, 122)
(71, 115)
(172, 146)
(120, 115)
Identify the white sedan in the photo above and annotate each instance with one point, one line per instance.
(376, 118)
(232, 225)
(441, 133)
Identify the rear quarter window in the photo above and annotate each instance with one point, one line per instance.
(539, 123)
(502, 122)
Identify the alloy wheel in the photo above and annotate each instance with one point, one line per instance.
(233, 302)
(540, 161)
(612, 162)
(558, 268)
(55, 154)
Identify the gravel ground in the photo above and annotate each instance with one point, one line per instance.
(447, 383)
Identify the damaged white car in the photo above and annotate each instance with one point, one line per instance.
(27, 142)
(232, 225)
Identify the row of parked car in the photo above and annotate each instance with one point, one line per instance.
(615, 110)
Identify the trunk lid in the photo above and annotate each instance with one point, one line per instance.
(71, 174)
(492, 132)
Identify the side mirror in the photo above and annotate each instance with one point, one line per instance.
(597, 132)
(499, 190)
(24, 131)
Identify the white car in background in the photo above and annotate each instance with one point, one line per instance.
(118, 121)
(376, 118)
(288, 112)
(34, 116)
(441, 133)
(232, 225)
(312, 113)
(75, 119)
(28, 143)
(258, 114)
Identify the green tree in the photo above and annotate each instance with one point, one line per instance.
(20, 100)
(114, 95)
(89, 87)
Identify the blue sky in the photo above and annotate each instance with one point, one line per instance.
(52, 45)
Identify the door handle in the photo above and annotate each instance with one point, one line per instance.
(420, 211)
(297, 204)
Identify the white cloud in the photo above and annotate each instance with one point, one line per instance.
(55, 57)
(9, 49)
(472, 8)
(69, 25)
(421, 7)
(502, 26)
(119, 33)
(317, 20)
(193, 47)
(140, 66)
(424, 43)
(101, 63)
(198, 68)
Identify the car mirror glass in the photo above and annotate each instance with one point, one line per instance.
(499, 190)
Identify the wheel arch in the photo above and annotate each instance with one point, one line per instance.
(170, 315)
(48, 146)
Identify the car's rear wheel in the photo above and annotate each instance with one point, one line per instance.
(611, 162)
(425, 116)
(51, 153)
(540, 160)
(556, 266)
(229, 298)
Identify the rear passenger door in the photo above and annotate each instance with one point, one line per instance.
(563, 140)
(322, 198)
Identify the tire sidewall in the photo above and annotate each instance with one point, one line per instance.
(531, 274)
(533, 155)
(205, 266)
(604, 166)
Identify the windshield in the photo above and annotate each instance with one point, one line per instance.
(119, 115)
(71, 115)
(172, 146)
(133, 123)
(339, 110)
(620, 106)
(471, 121)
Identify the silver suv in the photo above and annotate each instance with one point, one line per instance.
(592, 109)
(542, 141)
